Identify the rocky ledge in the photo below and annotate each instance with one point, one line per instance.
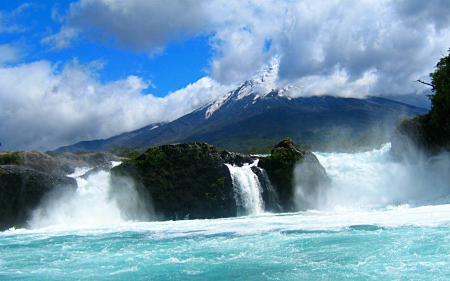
(191, 180)
(21, 190)
(181, 181)
(420, 137)
(26, 176)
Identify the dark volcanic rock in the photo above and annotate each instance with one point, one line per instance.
(186, 180)
(280, 167)
(33, 174)
(69, 161)
(419, 135)
(191, 180)
(64, 163)
(21, 190)
(41, 162)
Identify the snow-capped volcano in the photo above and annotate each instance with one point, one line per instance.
(260, 112)
(260, 85)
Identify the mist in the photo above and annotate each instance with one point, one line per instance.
(374, 179)
(95, 202)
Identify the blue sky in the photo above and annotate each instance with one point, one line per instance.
(90, 69)
(179, 64)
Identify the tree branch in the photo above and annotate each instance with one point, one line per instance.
(423, 82)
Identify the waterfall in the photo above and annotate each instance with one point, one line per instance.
(95, 202)
(270, 195)
(247, 189)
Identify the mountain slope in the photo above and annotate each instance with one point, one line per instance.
(257, 113)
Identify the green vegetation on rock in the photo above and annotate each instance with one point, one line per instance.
(10, 158)
(282, 161)
(183, 180)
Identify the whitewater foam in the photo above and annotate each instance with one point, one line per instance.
(247, 189)
(351, 240)
(373, 180)
(337, 220)
(88, 205)
(95, 202)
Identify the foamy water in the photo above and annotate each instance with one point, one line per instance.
(380, 220)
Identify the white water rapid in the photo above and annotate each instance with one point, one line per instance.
(372, 180)
(93, 203)
(379, 220)
(359, 181)
(247, 189)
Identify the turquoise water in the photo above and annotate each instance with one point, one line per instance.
(380, 220)
(300, 246)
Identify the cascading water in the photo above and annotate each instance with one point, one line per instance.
(93, 203)
(89, 204)
(270, 195)
(373, 180)
(247, 189)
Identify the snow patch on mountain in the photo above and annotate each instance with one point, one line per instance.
(217, 104)
(260, 85)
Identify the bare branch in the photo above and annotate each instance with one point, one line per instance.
(425, 83)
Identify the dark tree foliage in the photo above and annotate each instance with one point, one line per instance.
(440, 100)
(432, 131)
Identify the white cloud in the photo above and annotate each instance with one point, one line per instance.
(140, 25)
(43, 107)
(342, 48)
(338, 82)
(63, 39)
(399, 40)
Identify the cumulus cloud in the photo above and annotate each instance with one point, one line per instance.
(139, 25)
(343, 48)
(397, 42)
(417, 13)
(43, 106)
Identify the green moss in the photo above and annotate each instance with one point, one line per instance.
(219, 183)
(11, 158)
(151, 158)
(280, 165)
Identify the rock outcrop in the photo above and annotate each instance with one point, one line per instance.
(186, 180)
(69, 161)
(284, 160)
(191, 180)
(419, 137)
(182, 181)
(21, 190)
(61, 164)
(29, 175)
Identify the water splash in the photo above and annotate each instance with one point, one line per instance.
(373, 180)
(95, 202)
(247, 189)
(270, 195)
